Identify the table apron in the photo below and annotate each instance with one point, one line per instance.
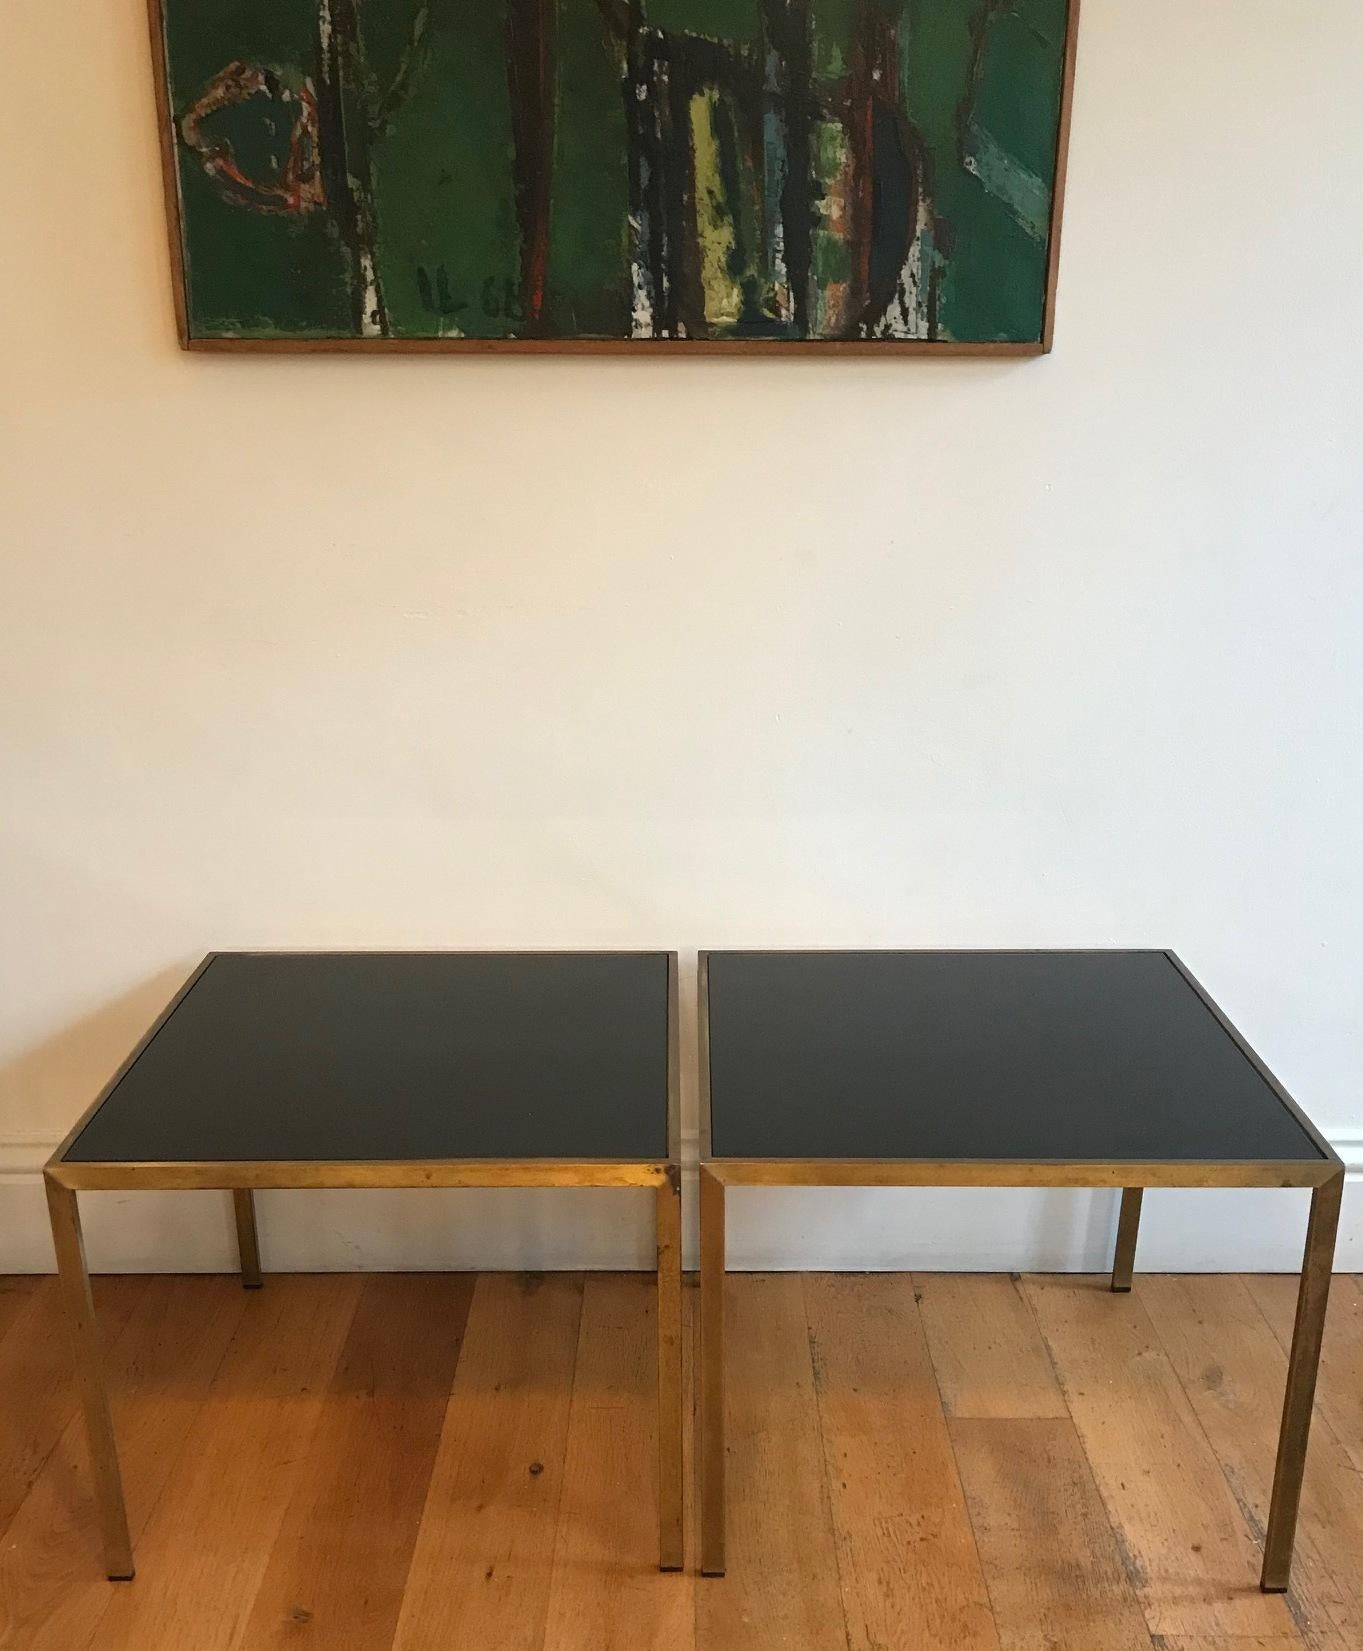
(923, 1172)
(454, 1172)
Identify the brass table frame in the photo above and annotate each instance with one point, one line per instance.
(1325, 1178)
(64, 1179)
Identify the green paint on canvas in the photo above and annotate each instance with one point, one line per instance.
(589, 280)
(727, 20)
(443, 190)
(417, 219)
(1017, 90)
(832, 260)
(1003, 175)
(993, 271)
(832, 24)
(249, 273)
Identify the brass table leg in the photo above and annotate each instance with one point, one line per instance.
(94, 1398)
(248, 1245)
(711, 1373)
(670, 1538)
(1128, 1229)
(1302, 1366)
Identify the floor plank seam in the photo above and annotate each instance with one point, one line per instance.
(989, 1592)
(1132, 1568)
(811, 1345)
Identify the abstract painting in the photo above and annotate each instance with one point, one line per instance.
(615, 174)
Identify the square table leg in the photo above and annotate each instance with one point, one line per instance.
(711, 1373)
(1128, 1229)
(248, 1245)
(669, 1223)
(1303, 1364)
(94, 1397)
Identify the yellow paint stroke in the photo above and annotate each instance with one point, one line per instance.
(714, 220)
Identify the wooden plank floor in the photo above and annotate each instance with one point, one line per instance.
(917, 1463)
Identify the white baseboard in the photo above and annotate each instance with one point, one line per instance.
(853, 1229)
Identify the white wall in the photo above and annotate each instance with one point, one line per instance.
(442, 652)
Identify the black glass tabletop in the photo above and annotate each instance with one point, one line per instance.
(355, 1056)
(1107, 1056)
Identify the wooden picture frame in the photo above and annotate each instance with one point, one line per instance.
(193, 336)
